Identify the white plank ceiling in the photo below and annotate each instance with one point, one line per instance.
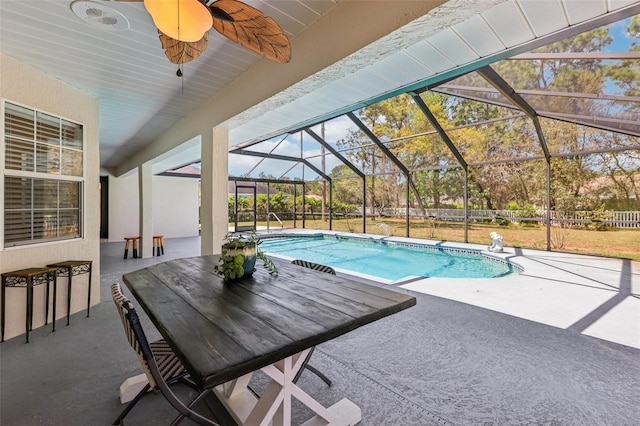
(128, 71)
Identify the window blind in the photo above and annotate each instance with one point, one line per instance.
(49, 206)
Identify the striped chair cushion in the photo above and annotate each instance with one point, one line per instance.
(315, 266)
(169, 365)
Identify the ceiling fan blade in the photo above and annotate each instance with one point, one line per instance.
(248, 26)
(180, 52)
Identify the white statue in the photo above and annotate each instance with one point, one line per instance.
(496, 243)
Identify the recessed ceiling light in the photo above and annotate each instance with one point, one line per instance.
(100, 16)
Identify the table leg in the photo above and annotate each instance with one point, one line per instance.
(29, 316)
(4, 298)
(55, 292)
(275, 403)
(89, 296)
(46, 301)
(70, 272)
(135, 248)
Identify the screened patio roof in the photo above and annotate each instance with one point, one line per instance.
(590, 80)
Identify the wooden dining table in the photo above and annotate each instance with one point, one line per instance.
(223, 332)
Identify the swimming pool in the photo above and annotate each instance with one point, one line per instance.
(388, 259)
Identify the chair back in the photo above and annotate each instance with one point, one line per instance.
(169, 364)
(314, 266)
(135, 335)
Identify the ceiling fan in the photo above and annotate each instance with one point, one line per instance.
(183, 28)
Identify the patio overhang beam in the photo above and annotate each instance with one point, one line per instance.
(436, 125)
(332, 150)
(283, 158)
(507, 91)
(181, 175)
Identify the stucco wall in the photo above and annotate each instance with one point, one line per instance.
(175, 207)
(25, 85)
(123, 207)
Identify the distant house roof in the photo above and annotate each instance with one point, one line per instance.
(186, 171)
(246, 188)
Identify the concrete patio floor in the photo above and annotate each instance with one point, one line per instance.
(555, 345)
(594, 296)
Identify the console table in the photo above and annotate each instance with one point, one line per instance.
(28, 278)
(70, 268)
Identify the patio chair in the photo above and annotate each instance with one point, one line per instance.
(160, 364)
(329, 270)
(314, 266)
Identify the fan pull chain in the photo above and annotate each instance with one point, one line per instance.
(179, 72)
(180, 75)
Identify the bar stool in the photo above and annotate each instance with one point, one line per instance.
(135, 246)
(69, 268)
(28, 278)
(158, 245)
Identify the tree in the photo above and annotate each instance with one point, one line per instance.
(347, 187)
(365, 155)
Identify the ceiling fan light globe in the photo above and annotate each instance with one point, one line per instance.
(184, 20)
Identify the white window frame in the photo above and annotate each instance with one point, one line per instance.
(40, 175)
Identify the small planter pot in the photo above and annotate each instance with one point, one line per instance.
(249, 253)
(239, 256)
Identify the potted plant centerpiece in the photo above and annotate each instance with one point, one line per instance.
(239, 256)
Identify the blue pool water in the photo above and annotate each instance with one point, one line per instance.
(384, 260)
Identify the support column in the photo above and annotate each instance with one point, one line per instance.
(548, 218)
(145, 197)
(214, 213)
(466, 205)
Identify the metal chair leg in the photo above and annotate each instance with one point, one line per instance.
(134, 401)
(318, 373)
(312, 369)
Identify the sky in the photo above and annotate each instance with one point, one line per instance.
(334, 130)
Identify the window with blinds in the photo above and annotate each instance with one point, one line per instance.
(43, 177)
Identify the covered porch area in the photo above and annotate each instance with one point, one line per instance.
(444, 361)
